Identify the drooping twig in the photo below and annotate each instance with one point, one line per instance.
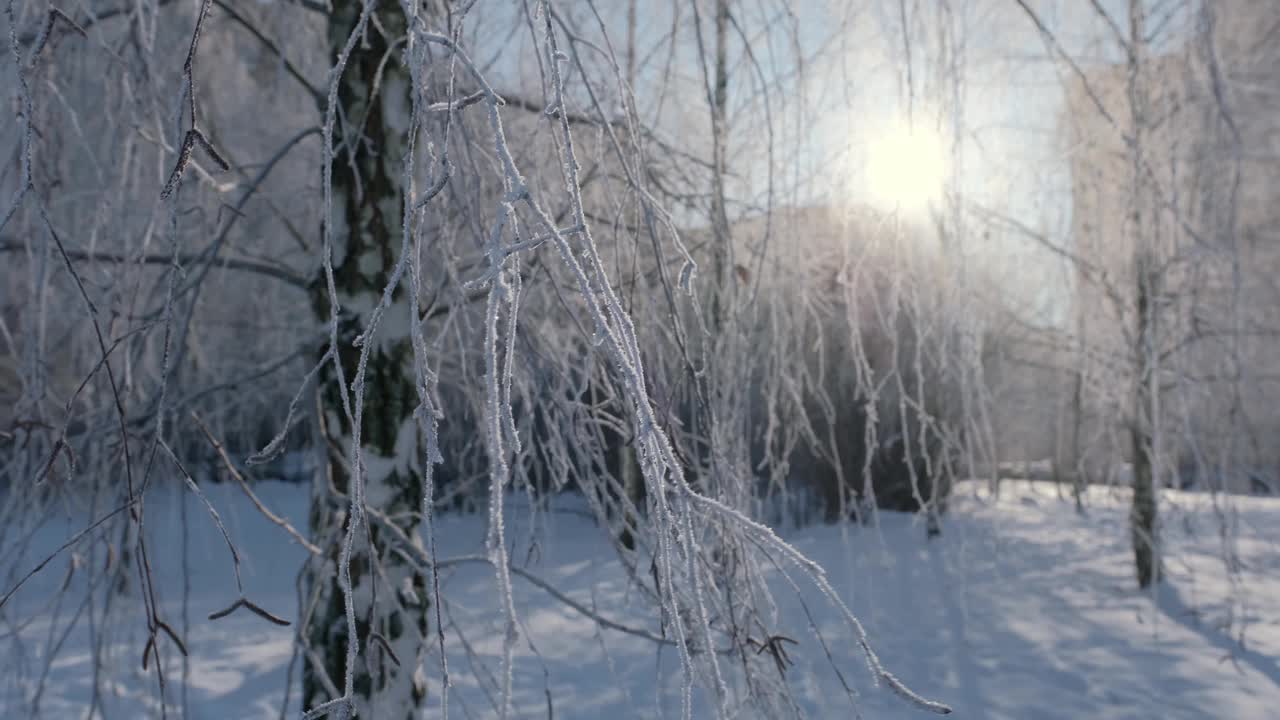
(235, 555)
(42, 39)
(376, 637)
(239, 478)
(774, 645)
(158, 625)
(252, 607)
(193, 136)
(62, 548)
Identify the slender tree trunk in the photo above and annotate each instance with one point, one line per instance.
(1142, 516)
(1144, 421)
(723, 250)
(390, 596)
(1077, 418)
(628, 465)
(1078, 478)
(711, 422)
(631, 44)
(1060, 457)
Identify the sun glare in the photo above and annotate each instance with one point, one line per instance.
(906, 169)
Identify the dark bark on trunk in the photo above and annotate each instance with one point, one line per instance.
(1145, 420)
(1142, 515)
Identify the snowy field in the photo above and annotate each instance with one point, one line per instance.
(1024, 610)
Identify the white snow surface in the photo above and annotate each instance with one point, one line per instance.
(1022, 610)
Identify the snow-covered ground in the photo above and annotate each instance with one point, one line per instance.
(1022, 610)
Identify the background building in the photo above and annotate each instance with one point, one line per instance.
(1190, 182)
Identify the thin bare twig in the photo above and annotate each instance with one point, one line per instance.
(193, 137)
(239, 478)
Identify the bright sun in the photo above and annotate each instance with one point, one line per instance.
(906, 169)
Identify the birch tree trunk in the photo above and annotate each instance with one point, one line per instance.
(389, 596)
(723, 251)
(1078, 478)
(1143, 427)
(1142, 516)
